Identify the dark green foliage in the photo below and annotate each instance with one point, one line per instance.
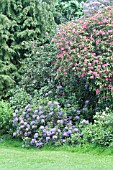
(21, 21)
(69, 9)
(20, 98)
(5, 117)
(36, 69)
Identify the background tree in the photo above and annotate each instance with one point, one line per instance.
(21, 22)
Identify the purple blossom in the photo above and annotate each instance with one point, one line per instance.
(63, 140)
(48, 133)
(36, 111)
(25, 123)
(59, 87)
(39, 144)
(18, 131)
(51, 109)
(37, 118)
(59, 130)
(51, 113)
(33, 127)
(25, 133)
(42, 120)
(80, 135)
(26, 138)
(32, 122)
(27, 129)
(20, 118)
(14, 115)
(22, 121)
(60, 121)
(35, 135)
(68, 105)
(58, 106)
(78, 111)
(56, 103)
(40, 112)
(41, 127)
(28, 133)
(14, 134)
(70, 117)
(54, 137)
(69, 132)
(16, 111)
(60, 113)
(53, 130)
(77, 117)
(76, 129)
(40, 107)
(84, 109)
(29, 109)
(85, 122)
(65, 134)
(47, 139)
(14, 121)
(87, 101)
(50, 103)
(86, 86)
(24, 113)
(33, 116)
(42, 116)
(27, 116)
(28, 126)
(33, 141)
(46, 94)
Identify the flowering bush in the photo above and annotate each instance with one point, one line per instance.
(48, 123)
(92, 6)
(101, 132)
(84, 64)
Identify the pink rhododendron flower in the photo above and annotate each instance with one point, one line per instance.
(97, 91)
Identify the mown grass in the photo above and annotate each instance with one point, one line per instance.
(88, 157)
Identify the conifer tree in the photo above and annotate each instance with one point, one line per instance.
(21, 22)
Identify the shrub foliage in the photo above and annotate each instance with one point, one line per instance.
(84, 64)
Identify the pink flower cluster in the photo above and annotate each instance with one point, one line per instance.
(87, 49)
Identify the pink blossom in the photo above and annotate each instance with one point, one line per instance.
(63, 83)
(97, 91)
(111, 43)
(63, 38)
(97, 42)
(110, 30)
(62, 48)
(95, 61)
(83, 75)
(91, 77)
(89, 64)
(65, 73)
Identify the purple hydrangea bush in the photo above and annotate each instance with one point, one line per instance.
(92, 6)
(48, 123)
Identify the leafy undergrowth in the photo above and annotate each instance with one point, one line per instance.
(16, 144)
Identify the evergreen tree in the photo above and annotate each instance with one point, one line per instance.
(21, 22)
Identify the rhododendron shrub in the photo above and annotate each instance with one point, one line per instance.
(84, 64)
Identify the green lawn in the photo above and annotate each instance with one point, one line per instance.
(13, 157)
